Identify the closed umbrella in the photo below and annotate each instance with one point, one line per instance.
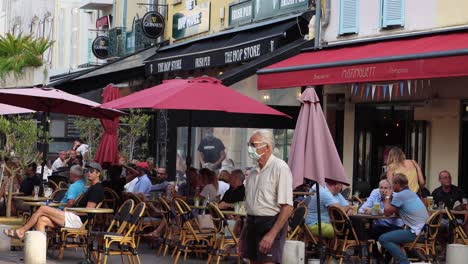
(313, 153)
(196, 94)
(13, 110)
(108, 146)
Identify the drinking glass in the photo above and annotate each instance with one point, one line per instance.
(441, 205)
(236, 207)
(47, 192)
(36, 191)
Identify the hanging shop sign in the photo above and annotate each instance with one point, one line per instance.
(240, 13)
(271, 8)
(220, 57)
(153, 24)
(104, 21)
(190, 22)
(100, 47)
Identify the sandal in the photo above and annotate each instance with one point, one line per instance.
(12, 233)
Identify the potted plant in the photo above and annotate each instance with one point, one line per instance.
(21, 60)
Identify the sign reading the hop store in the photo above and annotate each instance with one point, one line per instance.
(100, 47)
(153, 24)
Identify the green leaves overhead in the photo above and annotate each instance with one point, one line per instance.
(17, 52)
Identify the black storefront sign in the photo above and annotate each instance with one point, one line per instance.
(216, 58)
(240, 13)
(100, 47)
(153, 24)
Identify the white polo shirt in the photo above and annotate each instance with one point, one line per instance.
(268, 188)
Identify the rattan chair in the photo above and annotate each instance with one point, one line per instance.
(346, 237)
(224, 237)
(58, 195)
(426, 239)
(298, 230)
(124, 238)
(191, 240)
(459, 234)
(171, 233)
(62, 185)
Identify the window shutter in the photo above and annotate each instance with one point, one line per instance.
(393, 13)
(349, 19)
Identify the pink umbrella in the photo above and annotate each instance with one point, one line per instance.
(56, 101)
(313, 153)
(13, 110)
(108, 147)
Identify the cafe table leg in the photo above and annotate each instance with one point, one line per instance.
(89, 241)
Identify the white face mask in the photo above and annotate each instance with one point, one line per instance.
(253, 152)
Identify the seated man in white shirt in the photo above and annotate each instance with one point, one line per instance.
(60, 161)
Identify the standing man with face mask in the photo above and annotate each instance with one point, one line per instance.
(268, 200)
(211, 150)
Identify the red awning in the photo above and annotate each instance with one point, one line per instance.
(425, 57)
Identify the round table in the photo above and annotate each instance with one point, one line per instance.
(234, 213)
(30, 198)
(15, 193)
(52, 204)
(90, 212)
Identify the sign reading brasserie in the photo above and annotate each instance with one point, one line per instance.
(237, 54)
(194, 20)
(100, 47)
(152, 24)
(240, 13)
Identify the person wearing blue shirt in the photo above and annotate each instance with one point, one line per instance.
(380, 226)
(143, 185)
(77, 187)
(330, 194)
(413, 213)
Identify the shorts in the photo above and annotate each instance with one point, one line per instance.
(327, 230)
(256, 228)
(72, 220)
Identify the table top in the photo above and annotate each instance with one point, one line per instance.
(30, 198)
(43, 204)
(91, 210)
(373, 217)
(15, 193)
(234, 213)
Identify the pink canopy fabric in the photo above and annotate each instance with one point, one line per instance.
(52, 100)
(202, 93)
(108, 146)
(313, 153)
(13, 110)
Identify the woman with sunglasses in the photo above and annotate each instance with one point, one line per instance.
(47, 216)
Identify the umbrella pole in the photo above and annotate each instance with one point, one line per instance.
(319, 223)
(189, 141)
(45, 128)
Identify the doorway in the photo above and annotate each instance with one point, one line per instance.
(378, 129)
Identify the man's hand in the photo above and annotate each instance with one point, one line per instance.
(223, 205)
(267, 242)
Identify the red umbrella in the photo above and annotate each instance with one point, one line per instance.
(108, 146)
(313, 153)
(13, 110)
(55, 101)
(202, 93)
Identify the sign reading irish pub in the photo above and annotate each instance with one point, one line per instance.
(153, 24)
(100, 47)
(195, 19)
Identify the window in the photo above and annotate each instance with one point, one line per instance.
(349, 19)
(392, 13)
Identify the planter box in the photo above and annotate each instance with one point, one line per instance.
(31, 77)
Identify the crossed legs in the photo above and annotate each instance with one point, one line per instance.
(43, 217)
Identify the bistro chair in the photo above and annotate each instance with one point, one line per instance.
(224, 237)
(58, 195)
(53, 185)
(171, 233)
(124, 238)
(62, 185)
(346, 237)
(458, 232)
(346, 192)
(190, 239)
(426, 239)
(74, 237)
(298, 229)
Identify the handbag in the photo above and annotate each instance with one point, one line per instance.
(205, 221)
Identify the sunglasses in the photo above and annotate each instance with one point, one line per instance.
(86, 171)
(256, 144)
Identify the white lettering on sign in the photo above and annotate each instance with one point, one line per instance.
(170, 66)
(363, 72)
(189, 4)
(284, 3)
(241, 13)
(242, 54)
(398, 71)
(202, 62)
(188, 21)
